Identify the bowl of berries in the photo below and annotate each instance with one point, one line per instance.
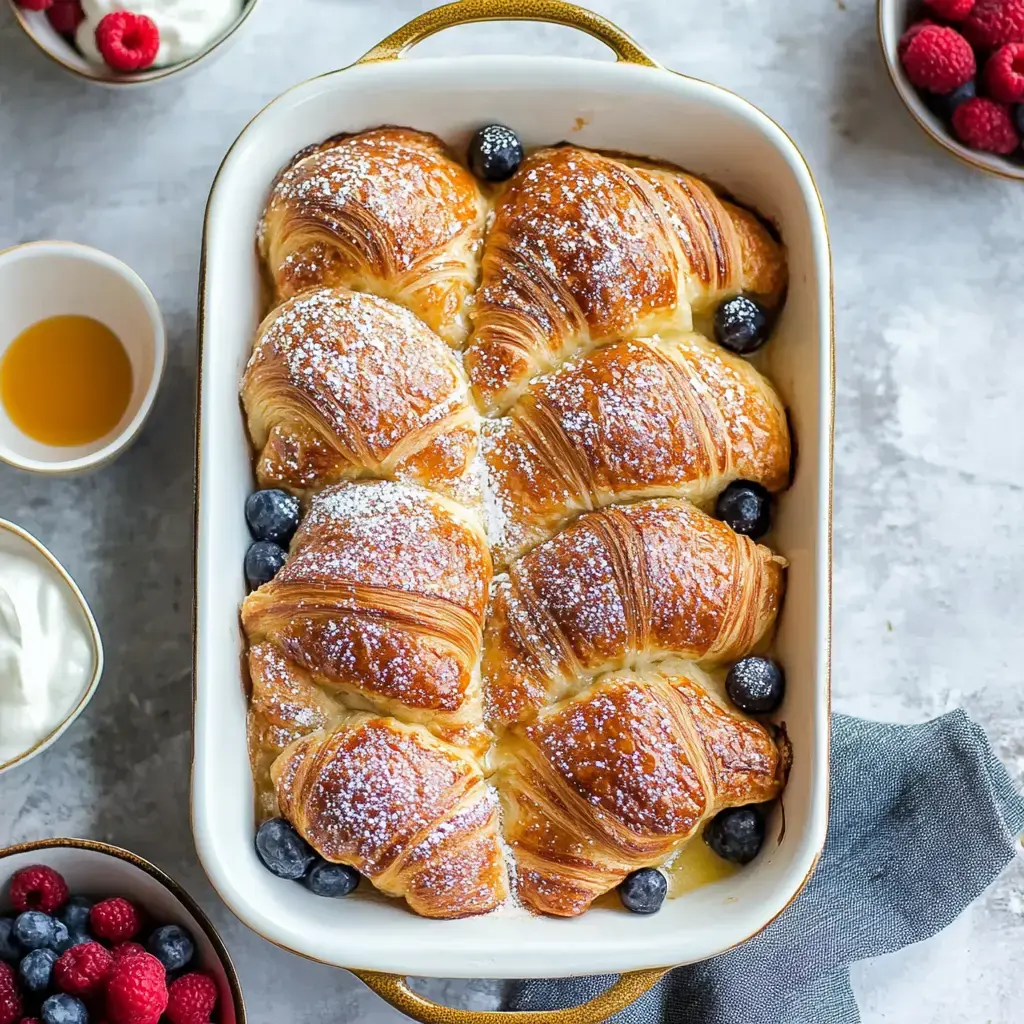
(91, 933)
(130, 42)
(959, 67)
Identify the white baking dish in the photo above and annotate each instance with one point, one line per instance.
(624, 106)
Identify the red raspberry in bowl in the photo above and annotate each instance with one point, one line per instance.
(191, 999)
(982, 123)
(136, 990)
(115, 920)
(128, 42)
(38, 887)
(938, 59)
(83, 970)
(123, 949)
(1004, 73)
(908, 36)
(10, 997)
(993, 23)
(65, 16)
(951, 10)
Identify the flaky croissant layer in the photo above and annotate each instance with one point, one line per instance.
(453, 372)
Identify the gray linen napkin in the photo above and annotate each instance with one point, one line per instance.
(923, 818)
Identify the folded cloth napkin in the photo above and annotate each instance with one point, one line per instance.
(923, 818)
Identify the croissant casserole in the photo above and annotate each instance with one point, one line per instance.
(491, 666)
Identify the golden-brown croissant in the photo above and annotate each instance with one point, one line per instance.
(620, 777)
(659, 416)
(343, 385)
(586, 247)
(386, 211)
(382, 600)
(618, 589)
(410, 812)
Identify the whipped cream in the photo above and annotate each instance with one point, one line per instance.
(186, 26)
(46, 653)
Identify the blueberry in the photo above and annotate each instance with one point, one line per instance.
(283, 851)
(172, 946)
(741, 325)
(36, 969)
(746, 507)
(263, 561)
(736, 834)
(644, 891)
(75, 914)
(944, 105)
(9, 949)
(756, 685)
(495, 153)
(64, 1009)
(35, 930)
(272, 515)
(331, 880)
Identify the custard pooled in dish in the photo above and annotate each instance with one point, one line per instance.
(500, 370)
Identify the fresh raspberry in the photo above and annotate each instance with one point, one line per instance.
(951, 10)
(994, 23)
(115, 920)
(30, 1020)
(10, 997)
(1004, 73)
(128, 42)
(939, 59)
(191, 999)
(123, 949)
(984, 124)
(905, 39)
(136, 990)
(38, 888)
(65, 16)
(34, 5)
(83, 970)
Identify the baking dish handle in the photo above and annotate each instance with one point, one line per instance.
(395, 989)
(464, 12)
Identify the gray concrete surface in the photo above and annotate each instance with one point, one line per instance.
(930, 445)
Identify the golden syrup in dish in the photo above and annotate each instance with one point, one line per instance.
(66, 381)
(695, 865)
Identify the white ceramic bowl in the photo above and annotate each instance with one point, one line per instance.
(45, 279)
(632, 106)
(15, 539)
(38, 28)
(98, 870)
(894, 17)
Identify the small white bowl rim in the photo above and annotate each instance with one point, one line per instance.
(164, 879)
(991, 163)
(99, 76)
(97, 648)
(115, 446)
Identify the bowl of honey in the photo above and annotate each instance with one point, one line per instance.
(82, 351)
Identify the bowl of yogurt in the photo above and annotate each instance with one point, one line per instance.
(51, 655)
(189, 30)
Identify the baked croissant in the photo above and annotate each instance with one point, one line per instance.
(410, 812)
(587, 247)
(386, 211)
(620, 777)
(654, 416)
(343, 385)
(382, 601)
(620, 588)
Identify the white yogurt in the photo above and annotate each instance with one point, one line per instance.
(186, 26)
(46, 653)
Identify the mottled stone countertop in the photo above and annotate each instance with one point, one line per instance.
(929, 435)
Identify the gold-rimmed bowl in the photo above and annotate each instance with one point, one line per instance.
(61, 51)
(16, 540)
(894, 16)
(99, 870)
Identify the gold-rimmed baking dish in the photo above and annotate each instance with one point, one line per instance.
(57, 49)
(630, 105)
(99, 869)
